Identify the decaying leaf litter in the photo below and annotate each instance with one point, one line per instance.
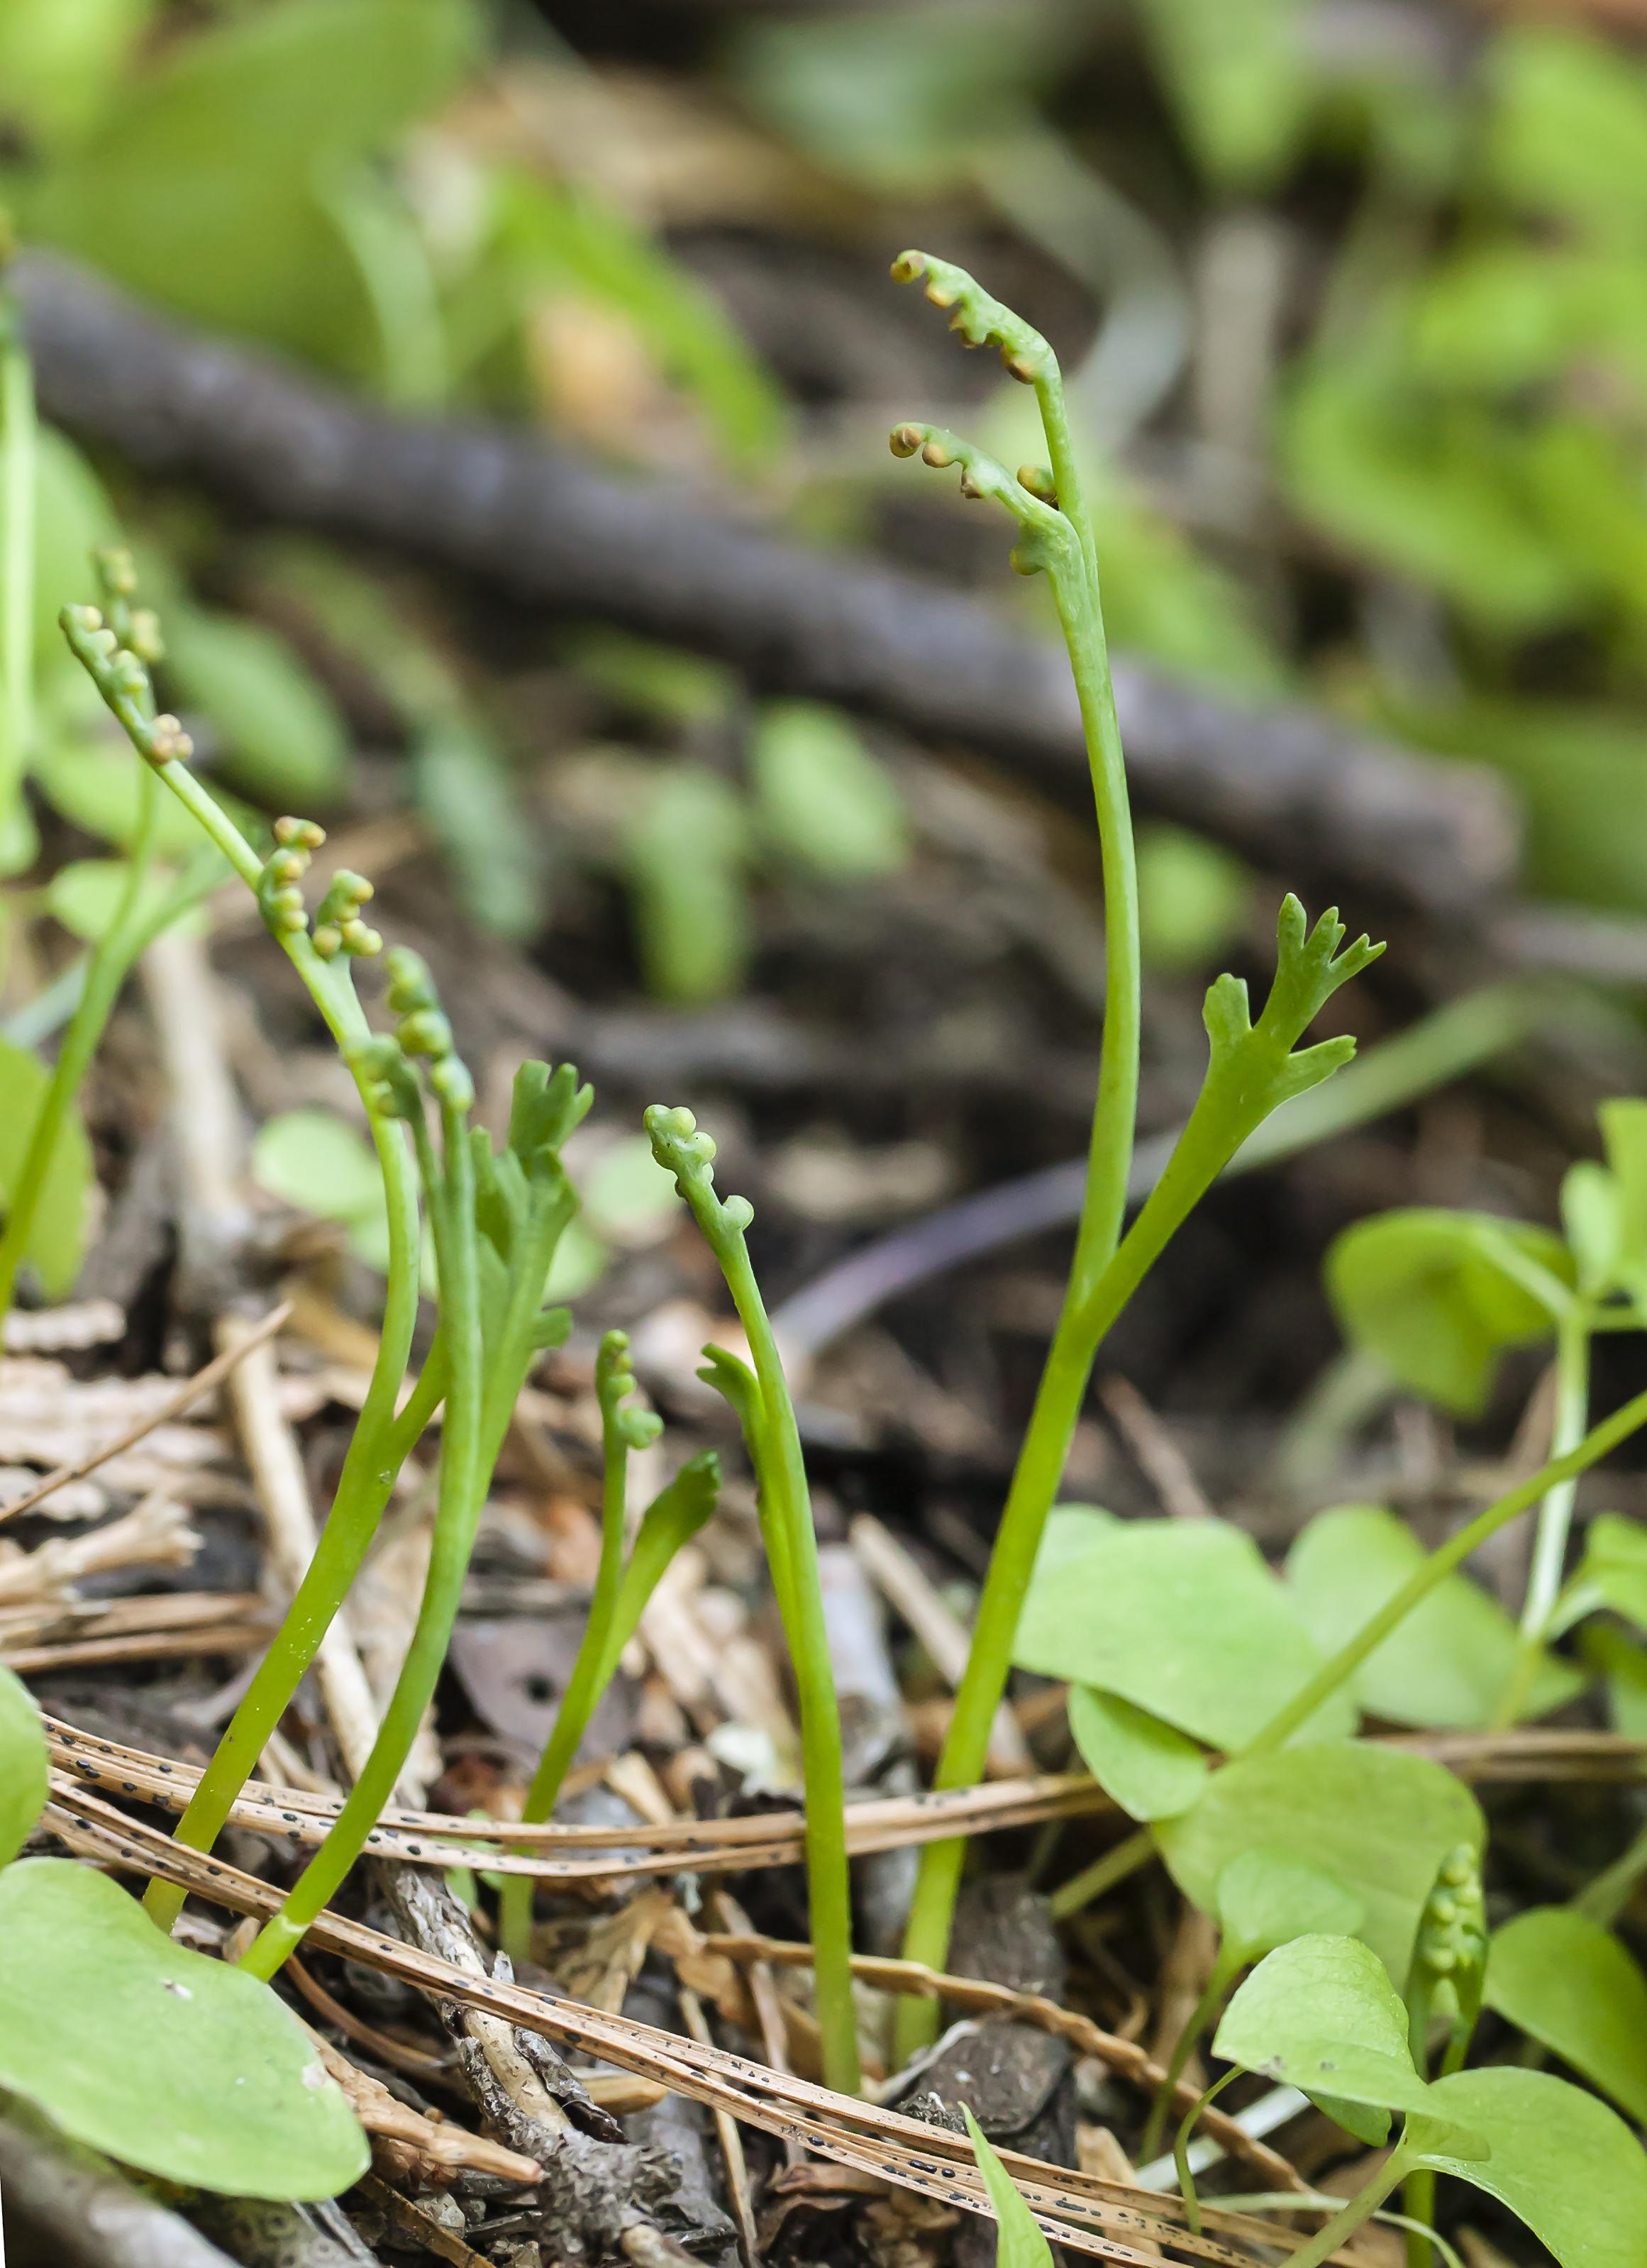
(858, 1087)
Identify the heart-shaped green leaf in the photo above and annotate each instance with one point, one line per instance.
(1571, 1986)
(1439, 1296)
(23, 1766)
(1379, 1820)
(1153, 1771)
(1449, 1663)
(1183, 1619)
(1569, 2165)
(184, 2067)
(1321, 2014)
(1267, 1897)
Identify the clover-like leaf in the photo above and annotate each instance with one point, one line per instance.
(1382, 1822)
(1568, 2167)
(1151, 1769)
(1183, 1619)
(24, 1781)
(1437, 1297)
(1449, 1663)
(1569, 1984)
(1267, 1897)
(185, 2066)
(1320, 2013)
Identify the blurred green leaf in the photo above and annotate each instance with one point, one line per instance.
(1183, 1619)
(892, 97)
(1612, 1572)
(1430, 486)
(1239, 71)
(73, 518)
(198, 191)
(57, 1240)
(1569, 1984)
(1567, 123)
(684, 849)
(1449, 1663)
(466, 788)
(318, 1163)
(822, 798)
(1152, 1770)
(627, 1198)
(24, 1766)
(1621, 1663)
(1320, 2013)
(284, 740)
(86, 895)
(185, 2066)
(663, 684)
(61, 61)
(1437, 1296)
(1194, 899)
(562, 240)
(1266, 1898)
(1380, 1821)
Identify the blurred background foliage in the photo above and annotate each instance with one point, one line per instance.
(1353, 300)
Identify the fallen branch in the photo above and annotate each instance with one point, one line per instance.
(1286, 785)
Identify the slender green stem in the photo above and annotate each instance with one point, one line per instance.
(1062, 1389)
(792, 1550)
(1102, 1874)
(1555, 1513)
(1224, 1972)
(1181, 2149)
(1595, 1445)
(582, 1696)
(1321, 2247)
(18, 442)
(463, 1480)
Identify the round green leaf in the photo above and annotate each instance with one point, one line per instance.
(1569, 2165)
(1321, 2014)
(316, 1161)
(1152, 1770)
(1194, 898)
(1183, 1619)
(86, 895)
(1449, 1663)
(1434, 1295)
(628, 1197)
(1569, 1984)
(1379, 1820)
(57, 1238)
(23, 1765)
(823, 798)
(1267, 1897)
(184, 2067)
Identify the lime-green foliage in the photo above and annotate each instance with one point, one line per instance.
(1569, 1983)
(760, 1398)
(621, 1592)
(176, 2063)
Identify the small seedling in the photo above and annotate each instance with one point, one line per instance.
(760, 1398)
(621, 1593)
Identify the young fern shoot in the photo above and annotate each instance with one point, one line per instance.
(761, 1398)
(621, 1593)
(1253, 1068)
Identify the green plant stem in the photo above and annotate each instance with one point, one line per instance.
(1224, 1970)
(1063, 1383)
(1319, 2248)
(1555, 1514)
(1185, 2127)
(1440, 1564)
(1103, 1875)
(19, 435)
(109, 966)
(792, 1552)
(370, 1467)
(582, 1697)
(463, 1480)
